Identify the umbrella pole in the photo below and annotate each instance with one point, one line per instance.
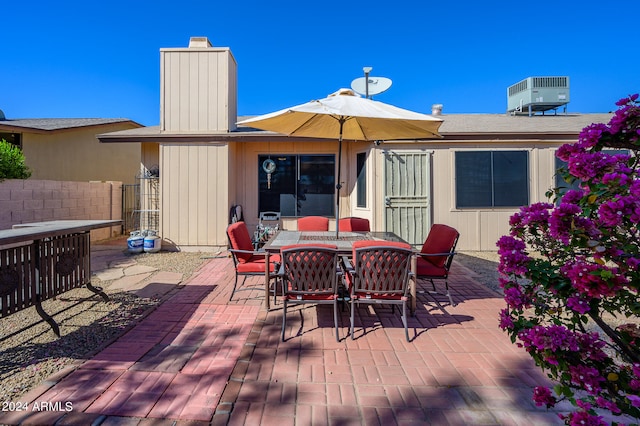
(338, 185)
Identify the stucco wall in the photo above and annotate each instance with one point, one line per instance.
(77, 155)
(26, 201)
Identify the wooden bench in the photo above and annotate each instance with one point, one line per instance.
(40, 261)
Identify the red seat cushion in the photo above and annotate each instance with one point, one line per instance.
(441, 239)
(296, 246)
(313, 223)
(256, 264)
(240, 240)
(424, 268)
(354, 224)
(318, 297)
(375, 243)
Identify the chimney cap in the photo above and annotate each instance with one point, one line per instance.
(199, 42)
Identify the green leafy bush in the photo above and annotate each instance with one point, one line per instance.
(12, 164)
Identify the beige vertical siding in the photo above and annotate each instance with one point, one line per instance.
(349, 202)
(198, 90)
(194, 182)
(77, 155)
(481, 228)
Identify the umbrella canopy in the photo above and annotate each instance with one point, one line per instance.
(363, 120)
(344, 115)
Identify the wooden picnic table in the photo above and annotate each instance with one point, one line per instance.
(41, 260)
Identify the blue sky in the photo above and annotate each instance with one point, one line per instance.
(101, 59)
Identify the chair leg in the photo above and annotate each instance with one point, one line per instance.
(275, 291)
(352, 315)
(446, 283)
(284, 317)
(404, 320)
(235, 285)
(335, 318)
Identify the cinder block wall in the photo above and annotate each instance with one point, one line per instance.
(26, 201)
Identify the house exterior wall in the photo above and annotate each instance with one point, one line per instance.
(77, 155)
(194, 195)
(198, 90)
(31, 200)
(245, 174)
(480, 228)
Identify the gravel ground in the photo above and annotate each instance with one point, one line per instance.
(30, 353)
(484, 264)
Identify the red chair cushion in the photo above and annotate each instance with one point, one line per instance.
(424, 268)
(313, 223)
(354, 224)
(311, 297)
(256, 264)
(375, 243)
(240, 240)
(441, 239)
(296, 246)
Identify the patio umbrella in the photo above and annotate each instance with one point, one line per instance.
(345, 115)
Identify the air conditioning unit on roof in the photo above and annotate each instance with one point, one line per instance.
(538, 94)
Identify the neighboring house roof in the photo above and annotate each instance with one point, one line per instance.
(52, 124)
(477, 126)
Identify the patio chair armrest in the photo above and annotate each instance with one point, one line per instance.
(246, 251)
(346, 263)
(435, 254)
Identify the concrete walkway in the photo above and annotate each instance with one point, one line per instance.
(200, 359)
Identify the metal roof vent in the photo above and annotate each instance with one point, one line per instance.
(436, 109)
(538, 94)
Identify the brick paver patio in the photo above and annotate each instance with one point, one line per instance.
(200, 359)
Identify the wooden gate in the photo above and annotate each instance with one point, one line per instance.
(407, 194)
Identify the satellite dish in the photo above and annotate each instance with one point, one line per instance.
(376, 85)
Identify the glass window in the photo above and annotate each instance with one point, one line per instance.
(12, 138)
(300, 185)
(361, 184)
(492, 178)
(565, 186)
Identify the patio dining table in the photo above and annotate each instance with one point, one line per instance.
(40, 261)
(344, 243)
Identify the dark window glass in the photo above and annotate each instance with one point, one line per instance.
(361, 184)
(12, 138)
(565, 186)
(473, 179)
(299, 186)
(510, 178)
(492, 178)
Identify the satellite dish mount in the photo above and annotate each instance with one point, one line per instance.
(369, 86)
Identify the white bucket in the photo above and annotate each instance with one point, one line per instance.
(152, 244)
(135, 243)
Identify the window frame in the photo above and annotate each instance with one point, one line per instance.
(492, 206)
(361, 180)
(293, 177)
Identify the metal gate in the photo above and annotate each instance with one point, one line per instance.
(130, 208)
(407, 194)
